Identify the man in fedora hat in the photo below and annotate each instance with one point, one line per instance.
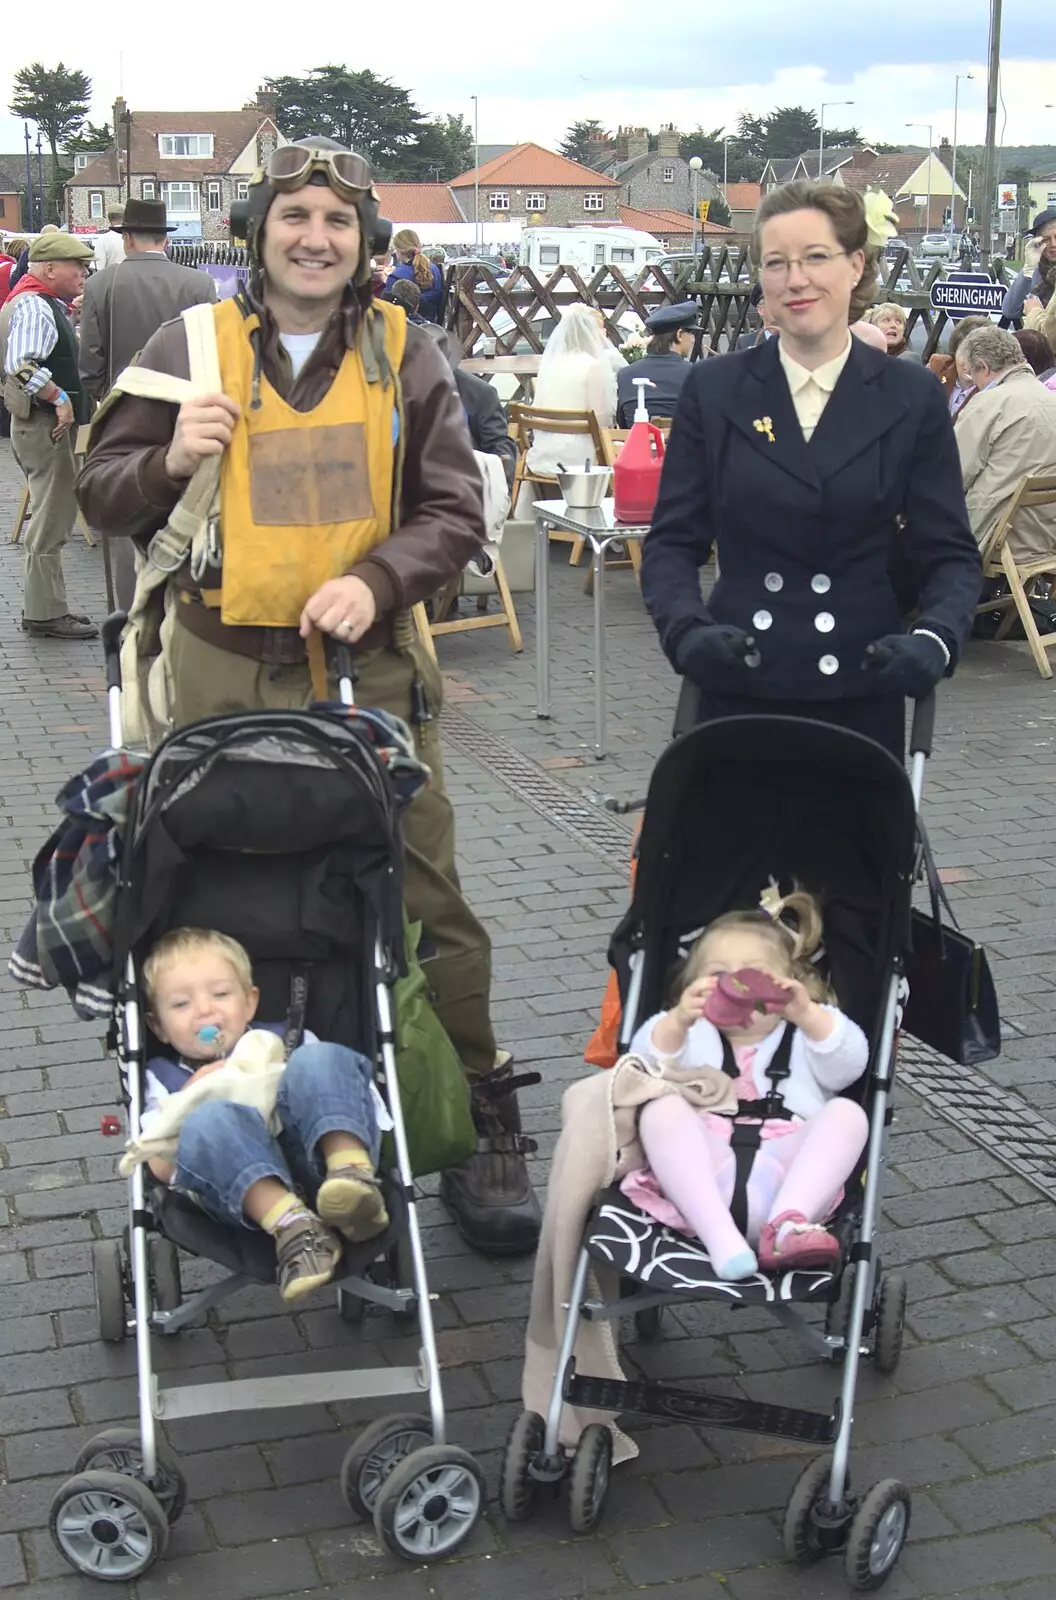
(109, 247)
(123, 306)
(42, 391)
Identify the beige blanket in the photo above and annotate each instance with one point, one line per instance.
(598, 1145)
(250, 1076)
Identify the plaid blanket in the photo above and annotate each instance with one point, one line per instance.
(68, 941)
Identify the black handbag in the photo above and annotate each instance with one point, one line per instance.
(952, 1003)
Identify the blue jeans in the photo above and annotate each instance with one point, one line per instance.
(224, 1148)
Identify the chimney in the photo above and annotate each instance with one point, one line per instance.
(637, 143)
(267, 103)
(667, 140)
(621, 144)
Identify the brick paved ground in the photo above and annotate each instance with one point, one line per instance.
(970, 1420)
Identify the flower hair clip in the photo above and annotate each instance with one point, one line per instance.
(880, 220)
(764, 425)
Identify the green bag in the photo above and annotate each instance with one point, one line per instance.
(433, 1087)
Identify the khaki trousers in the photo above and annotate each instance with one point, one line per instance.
(50, 473)
(208, 681)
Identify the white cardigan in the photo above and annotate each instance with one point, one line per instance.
(817, 1071)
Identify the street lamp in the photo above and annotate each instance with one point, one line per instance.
(476, 174)
(695, 164)
(821, 129)
(969, 76)
(726, 163)
(927, 209)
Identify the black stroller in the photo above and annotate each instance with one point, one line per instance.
(730, 805)
(280, 829)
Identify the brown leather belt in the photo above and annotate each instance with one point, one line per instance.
(275, 647)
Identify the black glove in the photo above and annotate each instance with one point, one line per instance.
(906, 663)
(707, 647)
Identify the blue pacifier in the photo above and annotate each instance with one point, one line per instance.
(209, 1034)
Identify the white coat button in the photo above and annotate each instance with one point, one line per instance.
(824, 622)
(821, 583)
(829, 665)
(753, 659)
(774, 582)
(762, 620)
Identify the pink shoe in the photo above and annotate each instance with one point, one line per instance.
(806, 1244)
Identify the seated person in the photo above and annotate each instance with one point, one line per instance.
(484, 415)
(807, 1153)
(201, 1001)
(406, 293)
(1006, 434)
(577, 373)
(765, 329)
(891, 321)
(944, 363)
(665, 363)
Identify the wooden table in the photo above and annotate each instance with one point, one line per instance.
(523, 368)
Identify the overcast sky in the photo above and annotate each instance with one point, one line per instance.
(531, 88)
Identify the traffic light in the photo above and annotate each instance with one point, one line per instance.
(703, 207)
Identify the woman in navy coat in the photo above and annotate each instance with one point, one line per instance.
(817, 469)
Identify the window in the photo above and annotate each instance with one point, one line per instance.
(213, 195)
(599, 255)
(549, 255)
(242, 189)
(669, 174)
(3, 206)
(535, 202)
(181, 199)
(185, 144)
(95, 203)
(593, 202)
(150, 189)
(80, 161)
(498, 202)
(622, 253)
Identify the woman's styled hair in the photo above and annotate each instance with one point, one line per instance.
(991, 347)
(792, 924)
(407, 242)
(874, 313)
(845, 210)
(1036, 348)
(181, 943)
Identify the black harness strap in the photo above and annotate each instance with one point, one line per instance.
(747, 1135)
(296, 1011)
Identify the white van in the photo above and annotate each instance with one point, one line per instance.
(587, 249)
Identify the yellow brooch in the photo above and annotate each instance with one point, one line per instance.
(764, 425)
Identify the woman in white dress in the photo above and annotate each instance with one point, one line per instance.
(577, 373)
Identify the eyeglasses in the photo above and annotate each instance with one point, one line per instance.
(814, 264)
(292, 165)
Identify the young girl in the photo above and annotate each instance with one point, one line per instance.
(802, 1163)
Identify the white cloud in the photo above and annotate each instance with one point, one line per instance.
(534, 79)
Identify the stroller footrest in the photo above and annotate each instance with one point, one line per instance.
(292, 1389)
(685, 1405)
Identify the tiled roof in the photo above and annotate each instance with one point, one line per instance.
(418, 202)
(231, 130)
(890, 173)
(742, 196)
(663, 222)
(529, 165)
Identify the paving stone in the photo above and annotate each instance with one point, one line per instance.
(681, 1550)
(244, 1574)
(951, 1566)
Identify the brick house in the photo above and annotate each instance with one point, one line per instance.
(655, 180)
(919, 183)
(419, 204)
(535, 184)
(198, 162)
(742, 199)
(674, 229)
(15, 214)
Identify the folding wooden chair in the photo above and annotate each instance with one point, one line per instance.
(505, 617)
(525, 422)
(1023, 577)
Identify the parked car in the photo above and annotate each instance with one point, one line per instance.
(893, 246)
(935, 244)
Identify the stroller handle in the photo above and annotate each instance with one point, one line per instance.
(922, 733)
(112, 629)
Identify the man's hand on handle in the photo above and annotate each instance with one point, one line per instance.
(343, 607)
(203, 428)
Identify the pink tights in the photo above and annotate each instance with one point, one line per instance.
(802, 1171)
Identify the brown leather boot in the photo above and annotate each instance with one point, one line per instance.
(490, 1196)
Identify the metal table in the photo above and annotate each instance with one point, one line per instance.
(600, 529)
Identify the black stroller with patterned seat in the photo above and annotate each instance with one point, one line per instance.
(732, 805)
(280, 829)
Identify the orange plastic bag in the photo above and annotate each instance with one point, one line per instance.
(603, 1049)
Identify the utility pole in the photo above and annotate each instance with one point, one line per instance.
(40, 177)
(993, 74)
(476, 174)
(953, 188)
(29, 183)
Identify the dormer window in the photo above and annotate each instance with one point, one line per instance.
(198, 146)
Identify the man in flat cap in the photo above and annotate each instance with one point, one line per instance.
(42, 391)
(665, 364)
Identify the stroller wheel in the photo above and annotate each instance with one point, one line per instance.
(109, 1290)
(108, 1526)
(588, 1482)
(799, 1531)
(877, 1535)
(430, 1503)
(517, 1487)
(121, 1450)
(890, 1322)
(375, 1455)
(647, 1323)
(164, 1261)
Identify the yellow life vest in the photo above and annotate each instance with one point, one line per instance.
(304, 495)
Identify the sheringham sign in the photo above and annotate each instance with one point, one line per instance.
(964, 294)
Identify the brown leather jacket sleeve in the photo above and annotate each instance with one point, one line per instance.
(124, 488)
